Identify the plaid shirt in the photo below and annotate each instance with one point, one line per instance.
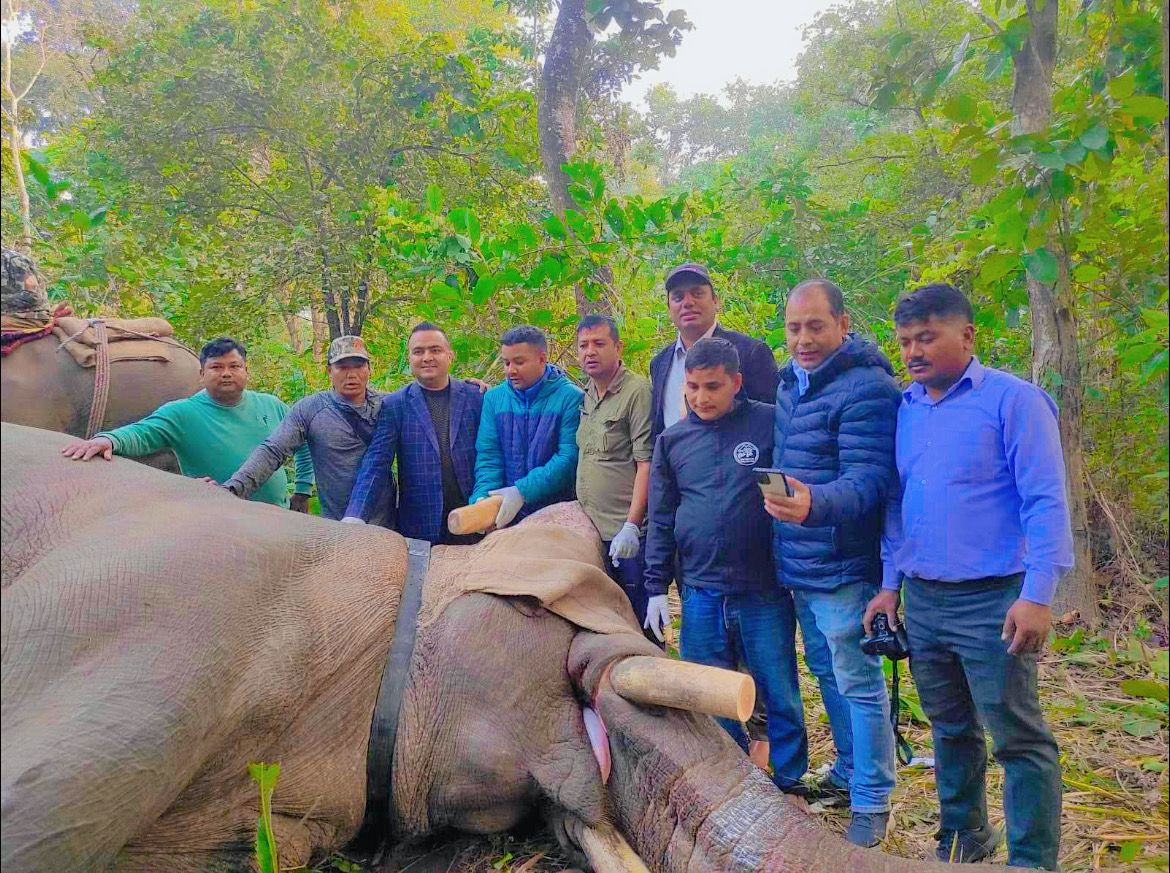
(404, 431)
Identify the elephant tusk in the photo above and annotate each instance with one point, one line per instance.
(608, 851)
(682, 685)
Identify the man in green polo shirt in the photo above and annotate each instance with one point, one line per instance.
(213, 432)
(613, 473)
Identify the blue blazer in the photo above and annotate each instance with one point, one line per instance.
(404, 432)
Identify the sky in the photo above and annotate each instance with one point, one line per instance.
(756, 40)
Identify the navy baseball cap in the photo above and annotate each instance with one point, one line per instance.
(689, 270)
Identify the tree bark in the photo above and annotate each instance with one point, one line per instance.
(556, 112)
(15, 134)
(1055, 342)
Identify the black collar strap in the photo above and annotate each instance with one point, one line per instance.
(384, 728)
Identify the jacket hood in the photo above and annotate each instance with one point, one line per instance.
(854, 352)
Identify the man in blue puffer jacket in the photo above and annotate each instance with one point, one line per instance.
(526, 449)
(836, 412)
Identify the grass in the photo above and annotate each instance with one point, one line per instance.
(1105, 698)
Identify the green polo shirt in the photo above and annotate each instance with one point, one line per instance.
(613, 436)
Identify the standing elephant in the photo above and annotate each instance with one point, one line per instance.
(159, 635)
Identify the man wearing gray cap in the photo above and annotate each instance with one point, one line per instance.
(693, 305)
(337, 426)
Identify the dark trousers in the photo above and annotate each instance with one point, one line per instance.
(629, 573)
(966, 679)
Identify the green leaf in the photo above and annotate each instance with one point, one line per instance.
(1128, 851)
(1146, 688)
(37, 168)
(1120, 87)
(984, 167)
(581, 195)
(98, 215)
(265, 776)
(466, 223)
(434, 198)
(1050, 160)
(885, 97)
(1146, 106)
(1095, 138)
(555, 227)
(441, 292)
(615, 218)
(484, 288)
(996, 266)
(1086, 273)
(1042, 266)
(960, 108)
(541, 316)
(1140, 726)
(79, 218)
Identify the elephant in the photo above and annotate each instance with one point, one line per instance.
(41, 386)
(159, 635)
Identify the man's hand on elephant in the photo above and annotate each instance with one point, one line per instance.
(885, 601)
(657, 616)
(84, 450)
(513, 502)
(625, 544)
(352, 519)
(299, 503)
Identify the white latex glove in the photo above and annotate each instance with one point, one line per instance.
(657, 616)
(513, 503)
(352, 519)
(625, 544)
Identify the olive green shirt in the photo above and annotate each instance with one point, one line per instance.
(613, 436)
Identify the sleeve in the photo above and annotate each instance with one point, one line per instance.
(303, 461)
(1031, 436)
(159, 430)
(489, 461)
(289, 436)
(640, 441)
(374, 474)
(559, 473)
(892, 536)
(660, 541)
(865, 456)
(761, 375)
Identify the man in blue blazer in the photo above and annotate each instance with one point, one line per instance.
(430, 426)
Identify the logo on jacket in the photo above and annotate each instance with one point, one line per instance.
(746, 454)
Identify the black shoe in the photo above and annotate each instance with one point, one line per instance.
(826, 792)
(867, 829)
(967, 847)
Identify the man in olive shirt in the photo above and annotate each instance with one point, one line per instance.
(613, 474)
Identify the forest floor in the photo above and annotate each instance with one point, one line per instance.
(1105, 697)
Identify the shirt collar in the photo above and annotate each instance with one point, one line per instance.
(678, 343)
(972, 378)
(615, 386)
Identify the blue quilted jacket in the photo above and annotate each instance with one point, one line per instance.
(838, 438)
(529, 439)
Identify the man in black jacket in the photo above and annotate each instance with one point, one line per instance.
(693, 306)
(707, 511)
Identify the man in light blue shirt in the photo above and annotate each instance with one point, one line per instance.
(977, 537)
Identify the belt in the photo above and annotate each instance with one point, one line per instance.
(376, 826)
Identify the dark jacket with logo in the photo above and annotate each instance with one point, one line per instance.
(756, 363)
(838, 438)
(706, 505)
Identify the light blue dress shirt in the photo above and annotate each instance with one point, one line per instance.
(982, 486)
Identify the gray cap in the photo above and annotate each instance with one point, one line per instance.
(347, 347)
(689, 270)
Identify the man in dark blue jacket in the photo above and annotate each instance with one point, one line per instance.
(430, 426)
(836, 410)
(706, 507)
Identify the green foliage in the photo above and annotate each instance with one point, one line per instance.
(265, 776)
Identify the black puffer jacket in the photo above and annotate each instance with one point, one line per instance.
(839, 440)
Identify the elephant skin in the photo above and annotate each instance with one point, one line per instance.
(42, 386)
(158, 635)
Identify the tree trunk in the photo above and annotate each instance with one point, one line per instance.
(15, 135)
(556, 113)
(320, 332)
(1056, 358)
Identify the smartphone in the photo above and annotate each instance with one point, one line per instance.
(773, 482)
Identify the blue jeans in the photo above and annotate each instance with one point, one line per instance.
(759, 631)
(854, 691)
(966, 679)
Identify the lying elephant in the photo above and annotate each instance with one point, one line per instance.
(159, 635)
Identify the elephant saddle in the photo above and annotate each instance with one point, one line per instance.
(136, 339)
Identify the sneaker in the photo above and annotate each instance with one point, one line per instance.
(867, 829)
(967, 847)
(826, 792)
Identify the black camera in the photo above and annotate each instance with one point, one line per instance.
(891, 643)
